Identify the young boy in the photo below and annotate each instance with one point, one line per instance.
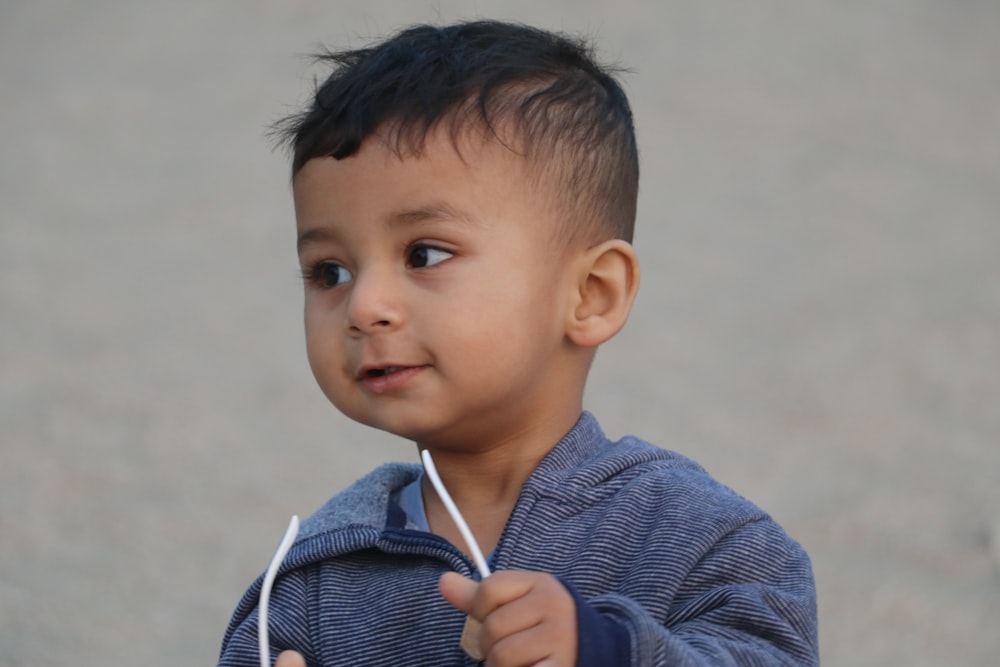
(464, 199)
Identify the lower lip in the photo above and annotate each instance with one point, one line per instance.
(390, 381)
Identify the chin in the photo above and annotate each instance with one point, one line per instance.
(403, 426)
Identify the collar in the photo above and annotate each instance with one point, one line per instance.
(366, 503)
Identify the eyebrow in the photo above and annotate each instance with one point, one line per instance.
(314, 235)
(440, 212)
(432, 213)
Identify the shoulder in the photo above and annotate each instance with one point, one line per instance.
(651, 488)
(662, 472)
(635, 463)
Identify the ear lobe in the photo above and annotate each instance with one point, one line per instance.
(607, 283)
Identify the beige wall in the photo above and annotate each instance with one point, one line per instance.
(819, 322)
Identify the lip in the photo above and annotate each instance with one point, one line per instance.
(382, 378)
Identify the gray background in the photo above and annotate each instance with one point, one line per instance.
(819, 322)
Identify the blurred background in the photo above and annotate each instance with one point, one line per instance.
(819, 320)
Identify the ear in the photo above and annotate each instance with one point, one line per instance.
(607, 282)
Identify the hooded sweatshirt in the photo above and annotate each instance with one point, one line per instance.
(666, 565)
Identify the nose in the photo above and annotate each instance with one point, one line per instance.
(374, 302)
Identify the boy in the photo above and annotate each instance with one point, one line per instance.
(464, 201)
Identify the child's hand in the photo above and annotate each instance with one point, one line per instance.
(290, 659)
(528, 618)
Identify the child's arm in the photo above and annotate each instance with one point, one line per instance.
(739, 605)
(750, 599)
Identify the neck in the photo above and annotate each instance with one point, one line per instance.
(485, 485)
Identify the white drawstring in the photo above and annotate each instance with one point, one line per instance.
(293, 530)
(265, 590)
(456, 516)
(470, 633)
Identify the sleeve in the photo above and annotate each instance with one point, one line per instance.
(750, 600)
(600, 640)
(288, 625)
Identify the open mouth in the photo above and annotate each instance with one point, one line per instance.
(380, 372)
(382, 379)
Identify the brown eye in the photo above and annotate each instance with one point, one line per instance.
(422, 256)
(330, 274)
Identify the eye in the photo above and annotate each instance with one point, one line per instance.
(422, 256)
(328, 274)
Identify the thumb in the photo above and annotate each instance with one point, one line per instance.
(459, 591)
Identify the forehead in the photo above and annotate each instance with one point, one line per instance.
(465, 179)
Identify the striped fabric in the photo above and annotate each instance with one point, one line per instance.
(695, 574)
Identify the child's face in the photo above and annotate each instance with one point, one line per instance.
(436, 296)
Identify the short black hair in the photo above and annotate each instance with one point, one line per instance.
(569, 114)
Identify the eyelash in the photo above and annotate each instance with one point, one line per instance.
(313, 275)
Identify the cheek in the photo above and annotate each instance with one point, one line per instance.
(319, 363)
(493, 330)
(325, 361)
(322, 314)
(323, 345)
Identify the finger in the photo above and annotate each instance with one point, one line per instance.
(510, 619)
(546, 623)
(290, 659)
(539, 624)
(502, 588)
(459, 591)
(529, 647)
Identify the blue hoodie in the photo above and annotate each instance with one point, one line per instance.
(667, 566)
